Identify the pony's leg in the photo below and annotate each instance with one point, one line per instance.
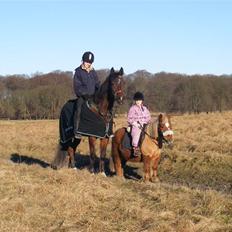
(147, 168)
(118, 166)
(92, 145)
(155, 177)
(103, 146)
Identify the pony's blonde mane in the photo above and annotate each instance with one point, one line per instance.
(152, 128)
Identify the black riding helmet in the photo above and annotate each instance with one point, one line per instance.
(138, 96)
(88, 57)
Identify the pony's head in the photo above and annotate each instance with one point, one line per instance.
(117, 84)
(165, 132)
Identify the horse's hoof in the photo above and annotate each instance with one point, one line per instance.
(155, 180)
(74, 168)
(91, 170)
(144, 180)
(54, 167)
(103, 174)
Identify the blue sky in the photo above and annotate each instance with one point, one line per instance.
(172, 36)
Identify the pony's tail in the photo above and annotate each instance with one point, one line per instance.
(60, 159)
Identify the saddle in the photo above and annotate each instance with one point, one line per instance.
(90, 123)
(127, 141)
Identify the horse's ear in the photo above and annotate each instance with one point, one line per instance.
(112, 70)
(121, 72)
(160, 117)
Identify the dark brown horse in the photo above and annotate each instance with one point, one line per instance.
(110, 91)
(152, 138)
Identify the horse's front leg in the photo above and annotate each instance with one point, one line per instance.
(92, 149)
(147, 168)
(155, 177)
(103, 147)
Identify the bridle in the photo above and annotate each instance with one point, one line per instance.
(164, 130)
(118, 91)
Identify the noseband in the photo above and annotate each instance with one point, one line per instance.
(164, 130)
(118, 91)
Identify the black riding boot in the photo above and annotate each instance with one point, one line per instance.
(77, 117)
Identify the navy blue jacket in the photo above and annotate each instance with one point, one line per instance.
(85, 82)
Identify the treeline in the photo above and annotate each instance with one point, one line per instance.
(168, 92)
(42, 96)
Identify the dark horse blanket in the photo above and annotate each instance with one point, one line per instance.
(91, 124)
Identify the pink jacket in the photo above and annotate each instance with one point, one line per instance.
(137, 113)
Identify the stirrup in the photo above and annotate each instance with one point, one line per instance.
(77, 136)
(136, 152)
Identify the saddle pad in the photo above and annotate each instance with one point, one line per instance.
(127, 141)
(90, 123)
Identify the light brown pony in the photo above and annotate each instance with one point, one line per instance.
(151, 140)
(110, 91)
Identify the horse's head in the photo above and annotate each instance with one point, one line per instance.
(165, 132)
(117, 84)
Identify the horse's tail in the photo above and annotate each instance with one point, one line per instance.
(60, 158)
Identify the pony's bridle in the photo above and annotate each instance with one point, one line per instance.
(165, 130)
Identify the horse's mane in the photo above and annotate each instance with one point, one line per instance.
(104, 97)
(104, 88)
(153, 128)
(105, 92)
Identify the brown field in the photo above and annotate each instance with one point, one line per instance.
(194, 193)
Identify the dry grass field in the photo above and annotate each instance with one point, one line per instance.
(194, 194)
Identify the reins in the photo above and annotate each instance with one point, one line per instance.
(151, 137)
(143, 131)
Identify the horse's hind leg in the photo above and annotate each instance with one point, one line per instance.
(92, 145)
(71, 155)
(103, 146)
(71, 152)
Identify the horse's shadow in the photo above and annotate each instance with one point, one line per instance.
(81, 162)
(17, 158)
(131, 173)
